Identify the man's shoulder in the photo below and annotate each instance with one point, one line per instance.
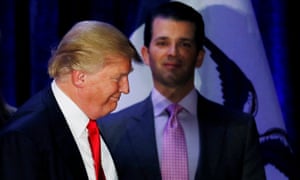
(219, 111)
(136, 107)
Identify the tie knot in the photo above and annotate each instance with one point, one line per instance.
(92, 125)
(174, 109)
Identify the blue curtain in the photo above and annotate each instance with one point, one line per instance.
(277, 30)
(30, 28)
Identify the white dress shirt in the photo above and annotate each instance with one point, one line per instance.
(77, 122)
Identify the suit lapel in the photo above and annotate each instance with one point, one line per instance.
(65, 141)
(142, 135)
(212, 134)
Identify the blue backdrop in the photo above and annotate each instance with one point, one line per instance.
(30, 28)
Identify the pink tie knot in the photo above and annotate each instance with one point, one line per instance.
(173, 110)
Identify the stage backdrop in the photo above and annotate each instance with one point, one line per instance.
(235, 73)
(236, 70)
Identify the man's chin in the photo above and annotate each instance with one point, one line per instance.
(113, 105)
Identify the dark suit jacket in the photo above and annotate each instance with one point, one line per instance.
(38, 144)
(229, 143)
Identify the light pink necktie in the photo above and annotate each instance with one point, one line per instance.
(94, 140)
(174, 152)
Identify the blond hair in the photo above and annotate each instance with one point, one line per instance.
(86, 47)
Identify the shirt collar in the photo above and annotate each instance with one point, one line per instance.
(75, 117)
(160, 103)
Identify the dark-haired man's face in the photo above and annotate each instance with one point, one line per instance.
(172, 54)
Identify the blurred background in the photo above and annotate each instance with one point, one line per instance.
(29, 29)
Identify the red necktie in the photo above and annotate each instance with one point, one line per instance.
(94, 140)
(174, 150)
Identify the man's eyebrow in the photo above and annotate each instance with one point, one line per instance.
(161, 38)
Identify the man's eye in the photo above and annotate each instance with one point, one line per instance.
(161, 43)
(186, 44)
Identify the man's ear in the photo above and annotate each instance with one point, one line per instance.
(200, 58)
(78, 78)
(145, 55)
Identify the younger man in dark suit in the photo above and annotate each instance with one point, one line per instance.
(222, 144)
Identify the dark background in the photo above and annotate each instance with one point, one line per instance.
(30, 28)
